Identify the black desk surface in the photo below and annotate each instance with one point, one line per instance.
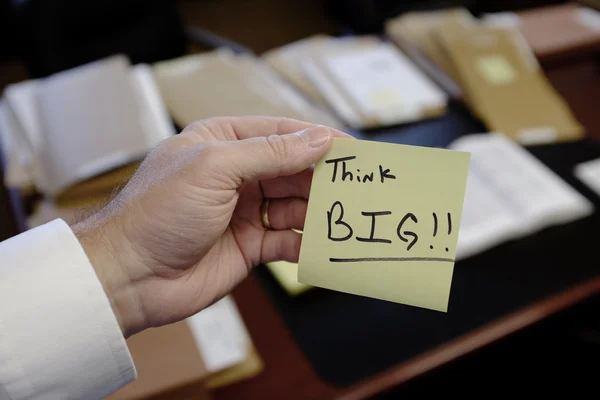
(348, 338)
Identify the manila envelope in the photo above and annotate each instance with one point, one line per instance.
(213, 84)
(382, 222)
(506, 87)
(419, 29)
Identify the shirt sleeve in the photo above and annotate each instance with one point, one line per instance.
(59, 338)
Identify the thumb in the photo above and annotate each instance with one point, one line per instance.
(277, 155)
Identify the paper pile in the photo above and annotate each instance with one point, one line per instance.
(498, 74)
(366, 82)
(72, 127)
(220, 83)
(510, 194)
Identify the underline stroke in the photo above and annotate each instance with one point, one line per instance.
(367, 259)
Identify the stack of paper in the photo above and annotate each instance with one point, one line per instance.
(505, 86)
(221, 83)
(366, 82)
(497, 71)
(510, 194)
(289, 60)
(415, 33)
(78, 124)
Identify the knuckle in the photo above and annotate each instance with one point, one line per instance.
(196, 127)
(277, 148)
(209, 153)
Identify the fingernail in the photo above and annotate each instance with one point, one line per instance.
(316, 136)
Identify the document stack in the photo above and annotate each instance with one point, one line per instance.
(366, 82)
(220, 83)
(497, 71)
(74, 135)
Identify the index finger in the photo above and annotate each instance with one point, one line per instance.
(239, 128)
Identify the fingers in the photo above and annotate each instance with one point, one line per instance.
(239, 128)
(297, 185)
(280, 246)
(273, 156)
(253, 126)
(287, 213)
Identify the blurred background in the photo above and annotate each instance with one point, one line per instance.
(89, 88)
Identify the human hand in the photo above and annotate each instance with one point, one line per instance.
(188, 228)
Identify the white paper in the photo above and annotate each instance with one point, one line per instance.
(17, 174)
(332, 94)
(486, 221)
(155, 119)
(22, 99)
(21, 103)
(507, 20)
(541, 135)
(510, 193)
(87, 120)
(589, 173)
(220, 335)
(385, 84)
(91, 122)
(274, 89)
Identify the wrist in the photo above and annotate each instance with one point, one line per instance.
(109, 258)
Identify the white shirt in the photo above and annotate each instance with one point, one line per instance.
(59, 338)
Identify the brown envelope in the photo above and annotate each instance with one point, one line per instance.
(556, 30)
(210, 85)
(505, 85)
(419, 29)
(220, 83)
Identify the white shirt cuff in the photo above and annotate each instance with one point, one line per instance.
(59, 338)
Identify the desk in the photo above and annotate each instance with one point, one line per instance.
(288, 372)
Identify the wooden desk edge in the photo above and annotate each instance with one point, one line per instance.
(471, 341)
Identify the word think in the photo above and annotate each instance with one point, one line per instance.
(347, 175)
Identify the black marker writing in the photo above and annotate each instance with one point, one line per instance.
(449, 224)
(335, 162)
(348, 176)
(435, 224)
(372, 238)
(385, 173)
(407, 233)
(338, 222)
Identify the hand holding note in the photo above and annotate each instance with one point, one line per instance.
(383, 220)
(187, 228)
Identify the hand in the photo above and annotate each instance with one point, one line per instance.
(187, 228)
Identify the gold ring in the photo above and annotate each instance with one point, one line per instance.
(264, 214)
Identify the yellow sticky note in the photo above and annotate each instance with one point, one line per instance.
(496, 69)
(286, 274)
(382, 222)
